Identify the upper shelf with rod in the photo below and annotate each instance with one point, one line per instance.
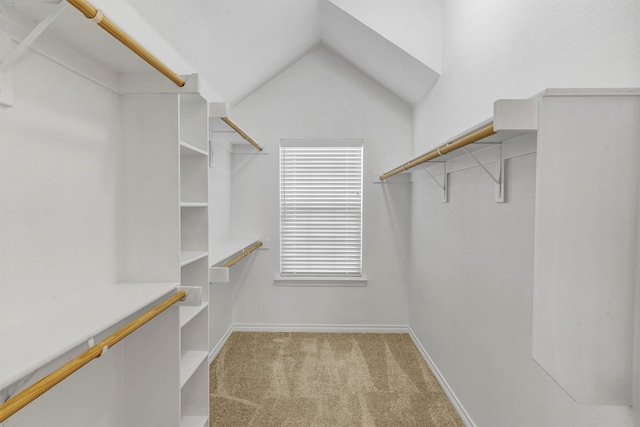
(98, 17)
(68, 24)
(107, 42)
(90, 326)
(228, 253)
(220, 123)
(512, 118)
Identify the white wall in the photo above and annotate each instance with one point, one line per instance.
(412, 25)
(322, 97)
(472, 259)
(515, 48)
(59, 179)
(59, 220)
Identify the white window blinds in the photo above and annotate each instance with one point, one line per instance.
(321, 208)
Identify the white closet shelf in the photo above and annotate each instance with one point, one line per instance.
(188, 150)
(187, 313)
(187, 257)
(222, 250)
(226, 125)
(194, 421)
(194, 204)
(34, 341)
(189, 363)
(512, 118)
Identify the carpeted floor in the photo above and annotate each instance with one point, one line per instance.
(317, 379)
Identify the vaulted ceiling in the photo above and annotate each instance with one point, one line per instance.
(240, 45)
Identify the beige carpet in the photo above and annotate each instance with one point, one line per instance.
(317, 379)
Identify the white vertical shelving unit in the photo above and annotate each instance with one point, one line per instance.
(166, 226)
(194, 217)
(162, 223)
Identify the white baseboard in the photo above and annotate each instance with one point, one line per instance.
(386, 329)
(464, 416)
(216, 350)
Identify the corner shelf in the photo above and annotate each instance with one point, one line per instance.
(187, 257)
(229, 250)
(189, 363)
(187, 313)
(194, 204)
(225, 249)
(188, 150)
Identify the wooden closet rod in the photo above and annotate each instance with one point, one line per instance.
(240, 132)
(31, 393)
(243, 254)
(96, 16)
(441, 151)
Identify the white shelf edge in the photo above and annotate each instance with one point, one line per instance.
(512, 118)
(193, 148)
(187, 313)
(228, 248)
(189, 363)
(142, 83)
(194, 204)
(187, 257)
(194, 421)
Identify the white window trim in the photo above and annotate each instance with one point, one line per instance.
(346, 281)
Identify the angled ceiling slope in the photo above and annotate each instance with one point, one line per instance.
(238, 46)
(374, 55)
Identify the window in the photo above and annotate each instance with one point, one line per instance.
(321, 208)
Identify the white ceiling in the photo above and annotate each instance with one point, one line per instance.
(237, 46)
(240, 45)
(375, 55)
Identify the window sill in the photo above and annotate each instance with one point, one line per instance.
(319, 281)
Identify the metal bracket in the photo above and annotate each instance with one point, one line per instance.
(445, 181)
(33, 35)
(6, 74)
(228, 146)
(499, 171)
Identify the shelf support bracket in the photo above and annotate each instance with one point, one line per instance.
(6, 74)
(498, 178)
(445, 179)
(33, 35)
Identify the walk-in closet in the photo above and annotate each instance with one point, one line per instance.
(319, 212)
